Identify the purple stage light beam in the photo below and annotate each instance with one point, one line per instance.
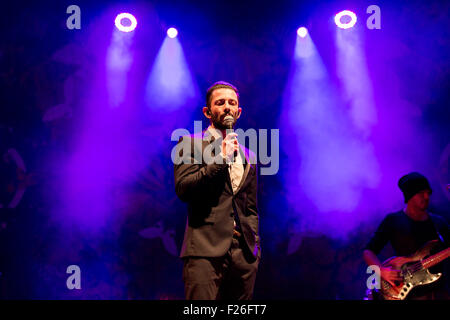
(345, 13)
(125, 16)
(353, 73)
(323, 151)
(304, 46)
(118, 62)
(170, 85)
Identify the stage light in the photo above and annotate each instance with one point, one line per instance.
(172, 32)
(302, 32)
(351, 23)
(128, 16)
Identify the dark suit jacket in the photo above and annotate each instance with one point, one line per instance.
(211, 203)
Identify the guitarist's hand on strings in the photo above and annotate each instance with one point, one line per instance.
(390, 275)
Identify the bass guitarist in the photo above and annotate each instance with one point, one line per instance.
(407, 231)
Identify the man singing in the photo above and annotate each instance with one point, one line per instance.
(221, 246)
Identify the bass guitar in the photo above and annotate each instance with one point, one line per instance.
(414, 270)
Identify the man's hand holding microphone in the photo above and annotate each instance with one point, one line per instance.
(230, 145)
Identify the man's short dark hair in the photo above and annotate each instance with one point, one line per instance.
(219, 85)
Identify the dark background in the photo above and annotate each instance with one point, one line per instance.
(248, 43)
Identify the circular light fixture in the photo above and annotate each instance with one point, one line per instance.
(302, 32)
(122, 16)
(172, 33)
(350, 24)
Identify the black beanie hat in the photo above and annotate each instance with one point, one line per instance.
(413, 183)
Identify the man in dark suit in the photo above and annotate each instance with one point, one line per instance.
(221, 249)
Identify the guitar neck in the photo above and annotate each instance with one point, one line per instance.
(435, 259)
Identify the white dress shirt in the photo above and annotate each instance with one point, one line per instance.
(236, 168)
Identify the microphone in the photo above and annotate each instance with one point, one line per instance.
(229, 121)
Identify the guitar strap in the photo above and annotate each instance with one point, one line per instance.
(433, 221)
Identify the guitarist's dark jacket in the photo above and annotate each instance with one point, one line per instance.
(212, 205)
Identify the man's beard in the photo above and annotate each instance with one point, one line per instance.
(218, 123)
